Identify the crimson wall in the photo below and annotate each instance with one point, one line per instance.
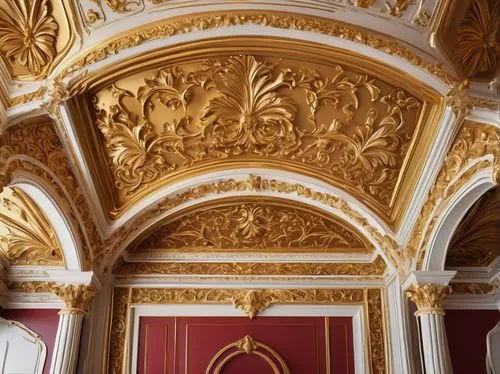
(188, 344)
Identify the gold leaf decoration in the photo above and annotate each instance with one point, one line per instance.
(28, 33)
(474, 141)
(478, 38)
(428, 297)
(123, 6)
(474, 288)
(399, 7)
(375, 268)
(253, 302)
(76, 297)
(477, 237)
(346, 126)
(249, 226)
(376, 327)
(26, 235)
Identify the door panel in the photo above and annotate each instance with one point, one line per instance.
(187, 345)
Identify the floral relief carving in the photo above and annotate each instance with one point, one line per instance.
(26, 236)
(250, 226)
(28, 34)
(244, 107)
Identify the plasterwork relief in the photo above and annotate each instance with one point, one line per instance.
(27, 146)
(371, 269)
(34, 36)
(475, 140)
(250, 301)
(26, 236)
(477, 237)
(254, 183)
(474, 288)
(245, 224)
(347, 127)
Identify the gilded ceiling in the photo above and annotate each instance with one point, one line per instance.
(26, 236)
(476, 241)
(355, 129)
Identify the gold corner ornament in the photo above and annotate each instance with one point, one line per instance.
(76, 297)
(478, 41)
(26, 236)
(28, 34)
(428, 297)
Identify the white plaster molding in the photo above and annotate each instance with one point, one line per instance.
(18, 300)
(434, 277)
(473, 302)
(354, 311)
(485, 116)
(397, 331)
(180, 281)
(166, 256)
(66, 346)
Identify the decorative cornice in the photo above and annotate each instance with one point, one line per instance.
(472, 288)
(31, 286)
(127, 269)
(208, 21)
(77, 298)
(428, 297)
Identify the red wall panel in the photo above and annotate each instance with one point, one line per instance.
(42, 321)
(186, 345)
(466, 331)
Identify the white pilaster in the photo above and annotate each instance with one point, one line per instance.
(77, 299)
(65, 357)
(427, 291)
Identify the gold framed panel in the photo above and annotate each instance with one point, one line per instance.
(125, 298)
(266, 47)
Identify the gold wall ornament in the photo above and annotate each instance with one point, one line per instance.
(459, 100)
(428, 297)
(478, 38)
(31, 286)
(491, 105)
(474, 288)
(398, 7)
(28, 33)
(31, 96)
(476, 239)
(124, 298)
(350, 128)
(247, 345)
(253, 302)
(376, 331)
(474, 140)
(26, 236)
(76, 297)
(246, 224)
(123, 6)
(376, 268)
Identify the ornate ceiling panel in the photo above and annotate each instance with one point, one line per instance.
(470, 35)
(34, 36)
(254, 225)
(476, 239)
(347, 123)
(26, 236)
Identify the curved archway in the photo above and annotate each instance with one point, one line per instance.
(451, 216)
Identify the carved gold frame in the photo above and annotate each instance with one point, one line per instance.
(425, 130)
(125, 298)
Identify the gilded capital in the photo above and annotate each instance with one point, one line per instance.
(76, 297)
(428, 297)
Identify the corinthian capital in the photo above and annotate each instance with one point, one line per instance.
(428, 297)
(76, 297)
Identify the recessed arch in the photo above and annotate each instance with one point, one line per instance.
(450, 217)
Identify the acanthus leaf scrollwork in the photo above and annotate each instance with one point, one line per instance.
(243, 106)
